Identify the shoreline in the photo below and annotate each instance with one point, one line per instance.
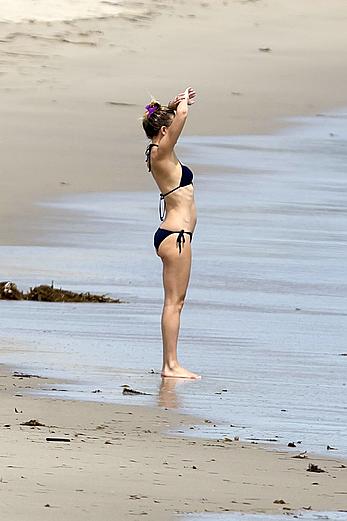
(99, 216)
(121, 454)
(22, 228)
(66, 131)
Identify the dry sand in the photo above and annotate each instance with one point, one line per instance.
(72, 91)
(120, 464)
(71, 95)
(56, 10)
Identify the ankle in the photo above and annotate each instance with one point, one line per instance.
(173, 364)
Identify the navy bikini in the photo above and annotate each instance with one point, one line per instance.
(186, 179)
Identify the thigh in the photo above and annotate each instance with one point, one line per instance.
(176, 267)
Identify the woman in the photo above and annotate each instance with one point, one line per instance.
(163, 126)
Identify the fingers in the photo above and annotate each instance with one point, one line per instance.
(189, 94)
(180, 98)
(192, 97)
(190, 91)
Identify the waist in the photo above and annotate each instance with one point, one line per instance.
(180, 202)
(180, 220)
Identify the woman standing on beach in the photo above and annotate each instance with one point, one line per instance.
(163, 126)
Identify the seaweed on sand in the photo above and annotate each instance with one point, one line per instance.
(9, 291)
(45, 293)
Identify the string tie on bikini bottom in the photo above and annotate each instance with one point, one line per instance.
(180, 239)
(162, 207)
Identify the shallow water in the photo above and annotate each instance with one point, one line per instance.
(265, 321)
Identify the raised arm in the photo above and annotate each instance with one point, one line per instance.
(173, 132)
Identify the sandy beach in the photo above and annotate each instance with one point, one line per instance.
(120, 458)
(74, 78)
(72, 90)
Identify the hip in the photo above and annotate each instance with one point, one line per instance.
(162, 233)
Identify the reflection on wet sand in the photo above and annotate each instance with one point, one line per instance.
(167, 396)
(265, 318)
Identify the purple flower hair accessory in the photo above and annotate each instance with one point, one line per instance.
(150, 110)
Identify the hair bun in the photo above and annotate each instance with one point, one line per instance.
(152, 107)
(154, 103)
(155, 117)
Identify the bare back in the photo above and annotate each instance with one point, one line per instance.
(180, 206)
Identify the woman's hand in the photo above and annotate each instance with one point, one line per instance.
(189, 95)
(180, 102)
(173, 104)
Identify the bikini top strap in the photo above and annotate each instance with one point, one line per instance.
(148, 154)
(170, 192)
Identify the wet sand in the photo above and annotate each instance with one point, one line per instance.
(65, 131)
(276, 304)
(120, 458)
(297, 322)
(304, 516)
(72, 91)
(268, 388)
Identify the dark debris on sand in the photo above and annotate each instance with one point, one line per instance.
(128, 390)
(33, 423)
(17, 374)
(45, 293)
(314, 468)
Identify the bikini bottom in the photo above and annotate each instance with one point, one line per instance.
(161, 234)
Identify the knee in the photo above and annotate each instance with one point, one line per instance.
(180, 304)
(175, 304)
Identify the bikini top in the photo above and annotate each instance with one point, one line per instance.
(186, 179)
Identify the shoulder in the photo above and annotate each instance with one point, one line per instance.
(163, 156)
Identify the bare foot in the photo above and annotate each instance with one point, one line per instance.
(179, 372)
